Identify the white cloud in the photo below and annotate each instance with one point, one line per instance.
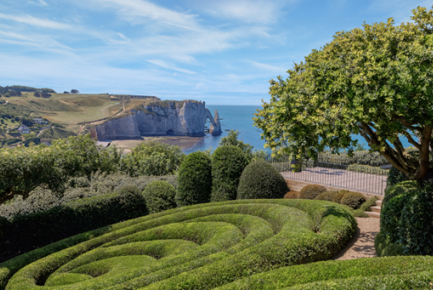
(33, 21)
(43, 3)
(139, 11)
(249, 11)
(163, 64)
(267, 67)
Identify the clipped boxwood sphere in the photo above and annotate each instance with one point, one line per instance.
(228, 163)
(260, 180)
(195, 179)
(311, 191)
(353, 199)
(159, 196)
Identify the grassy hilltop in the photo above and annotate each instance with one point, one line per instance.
(68, 113)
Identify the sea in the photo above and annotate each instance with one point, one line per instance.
(239, 118)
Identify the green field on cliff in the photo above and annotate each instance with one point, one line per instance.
(72, 111)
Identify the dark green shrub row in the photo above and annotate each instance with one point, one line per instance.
(193, 247)
(27, 232)
(373, 273)
(260, 180)
(81, 187)
(159, 196)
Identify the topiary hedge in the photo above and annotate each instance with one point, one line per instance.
(195, 179)
(260, 180)
(311, 191)
(353, 199)
(228, 162)
(202, 246)
(328, 196)
(24, 233)
(159, 196)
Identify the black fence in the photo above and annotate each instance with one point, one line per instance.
(362, 172)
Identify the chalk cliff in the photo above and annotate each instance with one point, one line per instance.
(215, 130)
(173, 118)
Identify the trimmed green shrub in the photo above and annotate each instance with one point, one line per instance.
(159, 196)
(416, 221)
(395, 176)
(24, 233)
(392, 206)
(195, 179)
(385, 248)
(353, 199)
(311, 191)
(327, 195)
(338, 196)
(188, 248)
(260, 180)
(228, 162)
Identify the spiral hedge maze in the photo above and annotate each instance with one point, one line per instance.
(244, 244)
(202, 246)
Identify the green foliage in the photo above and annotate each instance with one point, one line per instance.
(152, 158)
(311, 191)
(232, 140)
(393, 203)
(195, 179)
(68, 219)
(197, 247)
(385, 248)
(159, 196)
(332, 195)
(368, 169)
(260, 180)
(22, 169)
(55, 133)
(395, 176)
(370, 81)
(353, 199)
(228, 162)
(416, 221)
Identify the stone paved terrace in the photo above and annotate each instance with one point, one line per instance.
(341, 178)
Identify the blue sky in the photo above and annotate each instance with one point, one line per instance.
(221, 52)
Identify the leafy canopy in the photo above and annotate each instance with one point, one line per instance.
(375, 81)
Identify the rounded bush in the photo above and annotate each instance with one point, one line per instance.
(339, 195)
(353, 199)
(159, 196)
(292, 195)
(328, 196)
(194, 180)
(311, 191)
(260, 180)
(228, 163)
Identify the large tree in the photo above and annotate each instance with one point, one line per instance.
(375, 81)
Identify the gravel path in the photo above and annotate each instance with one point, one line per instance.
(362, 243)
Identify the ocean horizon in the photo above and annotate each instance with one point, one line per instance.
(239, 118)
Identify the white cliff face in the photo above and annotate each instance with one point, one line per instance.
(215, 129)
(185, 118)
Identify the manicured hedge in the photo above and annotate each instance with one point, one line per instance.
(372, 273)
(260, 180)
(311, 191)
(27, 232)
(202, 246)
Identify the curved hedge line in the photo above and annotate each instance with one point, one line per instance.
(194, 247)
(372, 273)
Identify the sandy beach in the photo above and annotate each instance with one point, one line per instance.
(181, 141)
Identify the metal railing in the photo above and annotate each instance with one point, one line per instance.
(363, 172)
